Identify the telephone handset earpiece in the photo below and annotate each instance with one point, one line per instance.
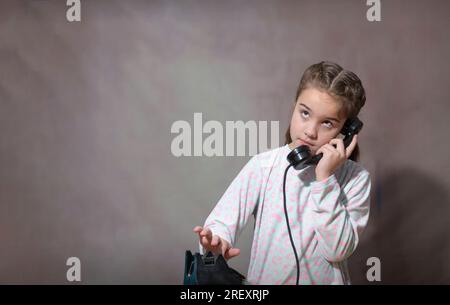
(301, 157)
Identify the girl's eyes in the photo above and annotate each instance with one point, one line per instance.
(305, 114)
(330, 124)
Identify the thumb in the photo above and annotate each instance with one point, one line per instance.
(232, 252)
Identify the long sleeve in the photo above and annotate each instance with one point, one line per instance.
(231, 213)
(340, 214)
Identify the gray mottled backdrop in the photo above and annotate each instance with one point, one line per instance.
(86, 109)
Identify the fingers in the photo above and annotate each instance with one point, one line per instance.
(216, 241)
(325, 149)
(206, 233)
(207, 240)
(339, 145)
(352, 146)
(215, 244)
(320, 150)
(202, 232)
(202, 235)
(340, 148)
(232, 252)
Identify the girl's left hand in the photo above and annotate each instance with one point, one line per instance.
(333, 157)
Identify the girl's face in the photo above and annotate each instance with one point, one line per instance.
(316, 119)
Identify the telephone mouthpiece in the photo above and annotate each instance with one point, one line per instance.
(297, 155)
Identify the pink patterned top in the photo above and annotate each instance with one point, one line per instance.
(326, 219)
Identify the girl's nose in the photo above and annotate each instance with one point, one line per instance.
(311, 133)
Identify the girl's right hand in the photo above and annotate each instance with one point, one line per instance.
(215, 244)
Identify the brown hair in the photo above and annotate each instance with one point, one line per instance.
(341, 84)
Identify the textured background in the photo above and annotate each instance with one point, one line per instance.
(86, 110)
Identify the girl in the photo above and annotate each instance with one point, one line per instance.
(327, 204)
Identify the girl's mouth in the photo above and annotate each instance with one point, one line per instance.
(301, 142)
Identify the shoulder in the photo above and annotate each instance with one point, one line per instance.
(269, 157)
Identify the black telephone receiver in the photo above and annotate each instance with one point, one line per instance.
(301, 157)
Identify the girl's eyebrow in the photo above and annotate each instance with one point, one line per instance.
(331, 119)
